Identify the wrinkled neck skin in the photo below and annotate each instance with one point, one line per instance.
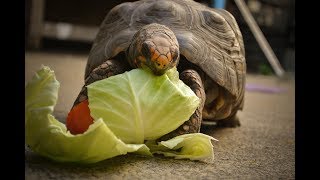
(155, 47)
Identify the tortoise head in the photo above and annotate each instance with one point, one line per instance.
(154, 46)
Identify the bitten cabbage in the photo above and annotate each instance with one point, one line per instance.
(128, 110)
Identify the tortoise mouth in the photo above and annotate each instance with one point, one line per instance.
(182, 64)
(154, 70)
(159, 73)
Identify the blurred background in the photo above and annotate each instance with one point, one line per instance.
(72, 25)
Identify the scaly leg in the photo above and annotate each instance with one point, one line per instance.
(193, 80)
(108, 68)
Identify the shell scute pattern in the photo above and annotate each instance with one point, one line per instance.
(209, 38)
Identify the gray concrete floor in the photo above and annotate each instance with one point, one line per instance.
(263, 147)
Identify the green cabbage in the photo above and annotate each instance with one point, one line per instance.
(127, 110)
(138, 105)
(196, 146)
(48, 137)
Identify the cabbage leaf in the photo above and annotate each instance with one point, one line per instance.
(195, 146)
(138, 105)
(128, 109)
(48, 137)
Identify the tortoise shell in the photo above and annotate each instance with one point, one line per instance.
(209, 38)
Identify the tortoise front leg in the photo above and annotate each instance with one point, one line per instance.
(108, 68)
(191, 78)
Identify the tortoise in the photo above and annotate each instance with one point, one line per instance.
(205, 44)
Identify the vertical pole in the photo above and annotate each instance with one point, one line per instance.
(263, 43)
(36, 23)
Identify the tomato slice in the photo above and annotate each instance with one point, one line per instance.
(79, 119)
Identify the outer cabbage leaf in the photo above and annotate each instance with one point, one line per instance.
(138, 105)
(48, 137)
(195, 146)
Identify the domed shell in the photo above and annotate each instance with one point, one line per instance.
(209, 38)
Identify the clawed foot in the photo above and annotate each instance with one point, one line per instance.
(233, 121)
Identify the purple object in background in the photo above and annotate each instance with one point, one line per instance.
(265, 89)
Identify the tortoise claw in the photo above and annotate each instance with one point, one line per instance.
(232, 121)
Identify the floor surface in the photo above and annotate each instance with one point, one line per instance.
(263, 147)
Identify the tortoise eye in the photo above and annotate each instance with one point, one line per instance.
(145, 49)
(174, 55)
